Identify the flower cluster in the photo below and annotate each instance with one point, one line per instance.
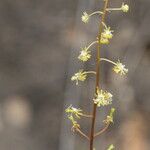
(106, 35)
(85, 54)
(79, 76)
(124, 7)
(111, 147)
(85, 17)
(72, 114)
(110, 117)
(73, 111)
(75, 125)
(103, 98)
(119, 68)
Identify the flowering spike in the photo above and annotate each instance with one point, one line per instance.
(119, 68)
(103, 98)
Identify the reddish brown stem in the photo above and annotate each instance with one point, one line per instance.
(102, 131)
(97, 73)
(79, 131)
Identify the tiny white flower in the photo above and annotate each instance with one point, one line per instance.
(85, 17)
(107, 34)
(104, 40)
(74, 111)
(75, 125)
(124, 7)
(110, 117)
(79, 76)
(119, 68)
(84, 54)
(103, 98)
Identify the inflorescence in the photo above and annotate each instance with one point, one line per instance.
(101, 97)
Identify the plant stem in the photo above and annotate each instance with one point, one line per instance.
(79, 131)
(97, 73)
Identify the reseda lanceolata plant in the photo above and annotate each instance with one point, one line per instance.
(101, 97)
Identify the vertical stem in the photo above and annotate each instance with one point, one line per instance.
(97, 73)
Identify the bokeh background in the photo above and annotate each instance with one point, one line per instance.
(39, 44)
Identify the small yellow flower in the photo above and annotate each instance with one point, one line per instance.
(104, 40)
(110, 117)
(85, 17)
(70, 117)
(107, 34)
(79, 76)
(84, 54)
(74, 111)
(124, 7)
(103, 98)
(111, 147)
(75, 125)
(119, 68)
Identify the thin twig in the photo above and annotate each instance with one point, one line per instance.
(96, 12)
(92, 44)
(102, 131)
(111, 9)
(81, 133)
(88, 116)
(92, 72)
(105, 59)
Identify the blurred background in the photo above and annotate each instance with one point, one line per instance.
(39, 45)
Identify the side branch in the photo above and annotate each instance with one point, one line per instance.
(87, 116)
(92, 44)
(102, 131)
(82, 134)
(107, 60)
